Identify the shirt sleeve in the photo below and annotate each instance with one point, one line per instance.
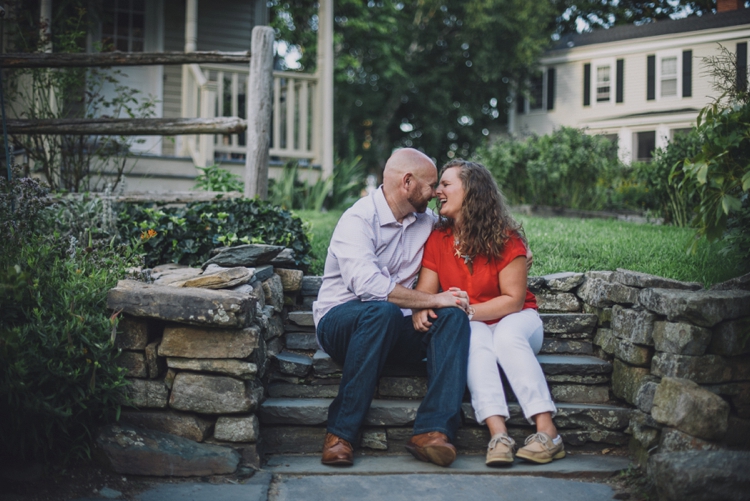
(513, 249)
(430, 258)
(353, 245)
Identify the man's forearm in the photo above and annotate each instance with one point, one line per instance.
(410, 298)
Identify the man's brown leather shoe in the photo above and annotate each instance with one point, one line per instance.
(336, 451)
(432, 447)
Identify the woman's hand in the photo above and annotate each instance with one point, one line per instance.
(421, 319)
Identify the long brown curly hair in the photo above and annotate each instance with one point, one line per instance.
(487, 223)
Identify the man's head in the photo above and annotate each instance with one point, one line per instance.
(409, 181)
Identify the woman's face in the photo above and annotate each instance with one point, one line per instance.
(451, 194)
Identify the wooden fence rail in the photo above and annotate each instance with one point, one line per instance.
(105, 59)
(128, 126)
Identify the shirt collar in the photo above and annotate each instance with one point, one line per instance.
(384, 212)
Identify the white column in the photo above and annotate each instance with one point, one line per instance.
(662, 136)
(191, 44)
(625, 145)
(325, 86)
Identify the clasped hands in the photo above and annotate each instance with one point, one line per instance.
(452, 298)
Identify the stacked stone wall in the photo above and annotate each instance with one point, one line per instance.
(630, 358)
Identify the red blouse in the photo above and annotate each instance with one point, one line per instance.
(483, 284)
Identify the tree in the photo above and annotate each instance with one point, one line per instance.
(430, 74)
(607, 13)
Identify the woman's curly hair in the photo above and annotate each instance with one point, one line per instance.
(487, 223)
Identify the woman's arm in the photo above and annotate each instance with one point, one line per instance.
(512, 280)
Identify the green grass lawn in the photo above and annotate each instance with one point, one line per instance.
(562, 244)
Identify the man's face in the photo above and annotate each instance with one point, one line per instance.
(421, 191)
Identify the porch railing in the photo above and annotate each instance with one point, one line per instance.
(220, 90)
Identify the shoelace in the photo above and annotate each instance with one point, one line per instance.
(539, 437)
(504, 439)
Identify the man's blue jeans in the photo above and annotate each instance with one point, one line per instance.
(363, 336)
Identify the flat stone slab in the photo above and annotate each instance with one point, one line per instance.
(189, 426)
(701, 475)
(191, 342)
(573, 364)
(314, 411)
(705, 308)
(245, 255)
(219, 308)
(253, 489)
(570, 323)
(238, 368)
(644, 280)
(136, 451)
(303, 318)
(574, 466)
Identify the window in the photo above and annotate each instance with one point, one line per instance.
(536, 92)
(669, 77)
(645, 144)
(124, 25)
(603, 83)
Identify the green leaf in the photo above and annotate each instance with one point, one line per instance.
(730, 203)
(701, 172)
(746, 181)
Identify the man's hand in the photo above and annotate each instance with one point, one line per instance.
(421, 319)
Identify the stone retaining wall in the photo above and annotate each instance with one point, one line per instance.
(203, 349)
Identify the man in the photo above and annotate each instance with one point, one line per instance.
(372, 263)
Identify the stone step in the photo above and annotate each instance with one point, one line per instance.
(573, 466)
(396, 413)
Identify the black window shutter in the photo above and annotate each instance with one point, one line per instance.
(587, 84)
(651, 78)
(687, 73)
(619, 90)
(742, 66)
(520, 104)
(550, 88)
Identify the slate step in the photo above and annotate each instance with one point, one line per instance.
(314, 412)
(573, 466)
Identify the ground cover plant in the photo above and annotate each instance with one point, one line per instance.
(580, 245)
(187, 234)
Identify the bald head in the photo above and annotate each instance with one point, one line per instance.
(405, 161)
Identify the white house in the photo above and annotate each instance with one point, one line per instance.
(302, 109)
(638, 85)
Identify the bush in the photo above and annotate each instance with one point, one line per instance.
(567, 168)
(58, 374)
(663, 179)
(214, 178)
(187, 235)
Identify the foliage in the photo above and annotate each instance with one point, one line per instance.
(321, 226)
(59, 377)
(348, 181)
(188, 234)
(396, 69)
(74, 163)
(720, 173)
(663, 178)
(214, 178)
(567, 168)
(597, 14)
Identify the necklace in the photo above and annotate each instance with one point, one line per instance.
(468, 260)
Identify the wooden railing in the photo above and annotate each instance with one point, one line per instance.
(220, 90)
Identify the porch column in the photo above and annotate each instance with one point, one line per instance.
(191, 44)
(325, 86)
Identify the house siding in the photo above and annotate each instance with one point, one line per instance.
(617, 118)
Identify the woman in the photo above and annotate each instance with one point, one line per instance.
(478, 247)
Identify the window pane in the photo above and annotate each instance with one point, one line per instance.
(536, 96)
(122, 44)
(668, 67)
(122, 22)
(646, 145)
(138, 5)
(137, 45)
(669, 87)
(602, 83)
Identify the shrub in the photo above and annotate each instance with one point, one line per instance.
(186, 235)
(567, 168)
(214, 178)
(58, 373)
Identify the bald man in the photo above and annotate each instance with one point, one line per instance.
(363, 317)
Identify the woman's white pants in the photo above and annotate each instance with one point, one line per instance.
(512, 344)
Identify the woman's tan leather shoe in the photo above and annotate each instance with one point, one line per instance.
(336, 451)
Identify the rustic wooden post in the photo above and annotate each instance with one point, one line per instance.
(325, 86)
(259, 104)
